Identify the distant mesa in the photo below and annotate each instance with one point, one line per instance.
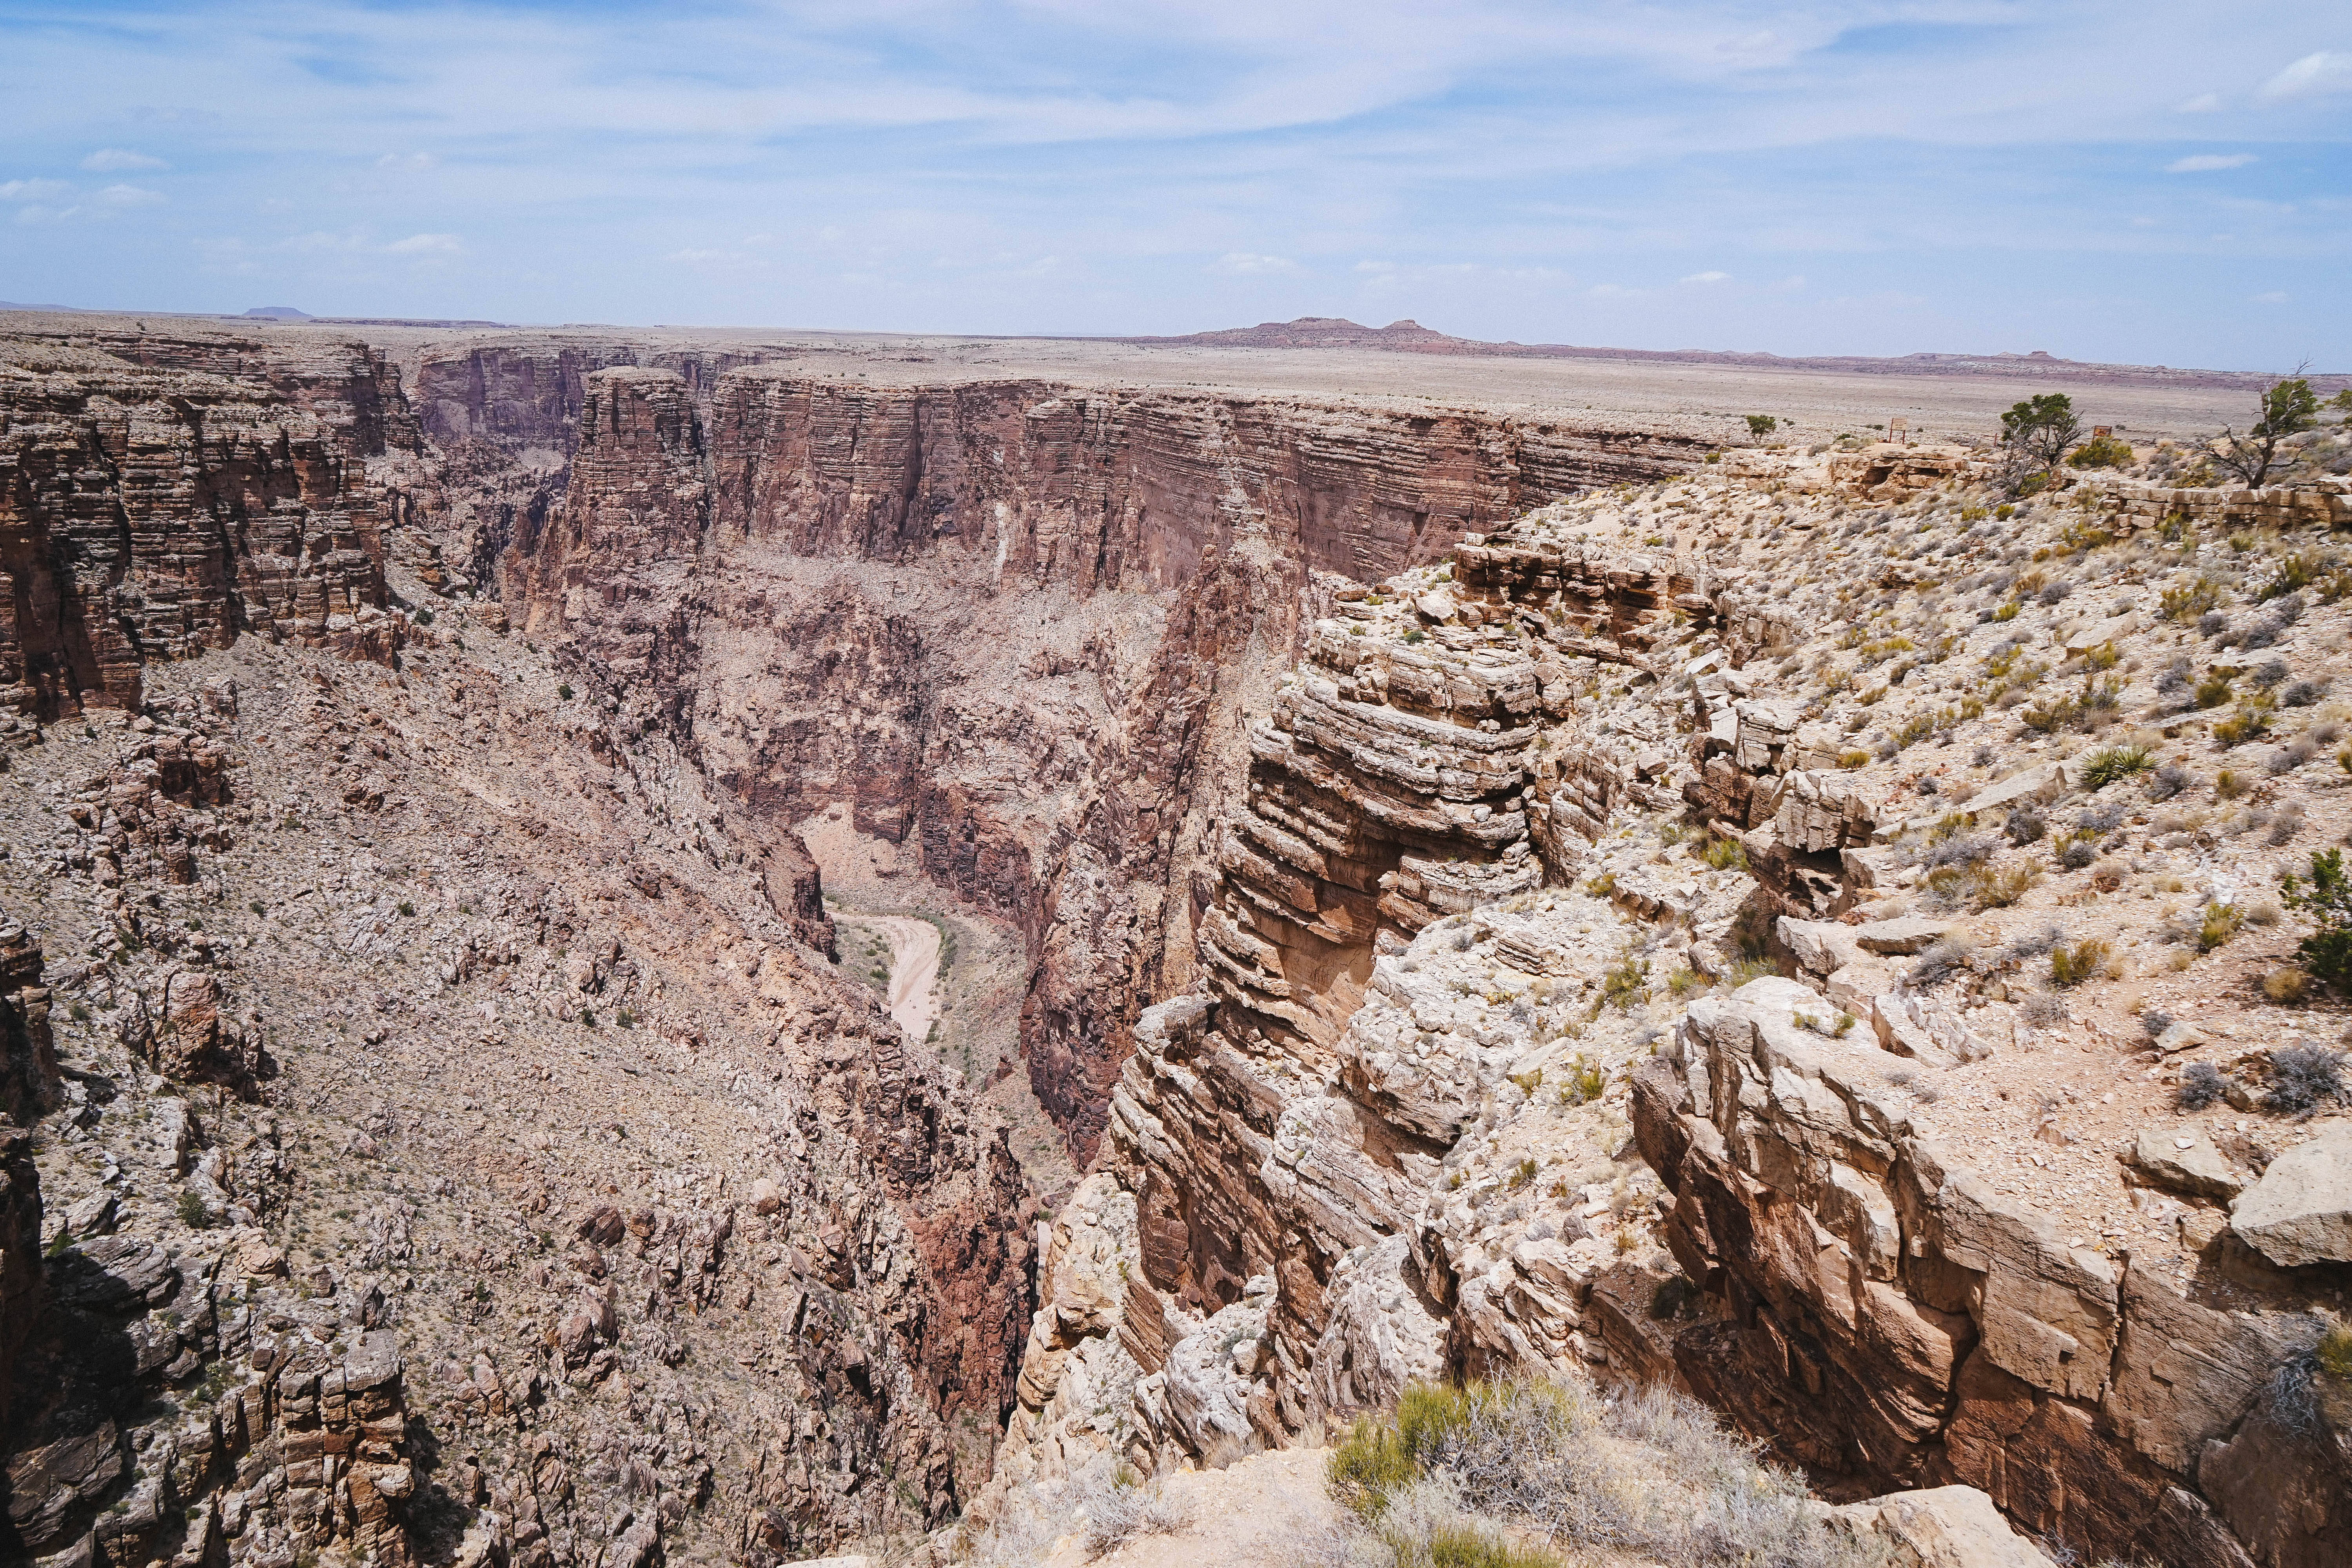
(281, 313)
(1411, 337)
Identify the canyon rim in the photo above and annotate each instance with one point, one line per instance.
(704, 946)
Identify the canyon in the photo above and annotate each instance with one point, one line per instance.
(1420, 825)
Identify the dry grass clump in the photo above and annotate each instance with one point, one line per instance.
(1495, 1476)
(1107, 1503)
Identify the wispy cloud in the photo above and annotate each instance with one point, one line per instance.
(107, 160)
(1248, 264)
(1170, 165)
(2329, 70)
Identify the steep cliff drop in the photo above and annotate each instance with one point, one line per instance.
(822, 588)
(454, 1109)
(1600, 983)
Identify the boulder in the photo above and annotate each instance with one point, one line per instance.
(1942, 1527)
(2301, 1211)
(2039, 785)
(2186, 1163)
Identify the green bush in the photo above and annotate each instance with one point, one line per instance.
(1625, 983)
(2324, 898)
(2187, 603)
(2083, 960)
(1726, 855)
(2102, 452)
(2112, 762)
(2220, 922)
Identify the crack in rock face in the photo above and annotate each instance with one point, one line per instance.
(1332, 896)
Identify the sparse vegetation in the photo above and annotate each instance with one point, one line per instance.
(2302, 1077)
(2085, 960)
(2201, 1084)
(2324, 896)
(1452, 1472)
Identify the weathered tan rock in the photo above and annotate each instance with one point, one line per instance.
(2301, 1211)
(1943, 1527)
(2186, 1164)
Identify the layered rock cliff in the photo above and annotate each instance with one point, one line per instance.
(829, 583)
(159, 498)
(1924, 1207)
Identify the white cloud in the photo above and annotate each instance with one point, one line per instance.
(108, 160)
(2206, 163)
(129, 196)
(31, 190)
(406, 161)
(2329, 70)
(2203, 104)
(2274, 297)
(425, 245)
(1708, 278)
(1245, 264)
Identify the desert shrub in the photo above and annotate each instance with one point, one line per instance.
(1121, 1507)
(2334, 1353)
(2212, 624)
(2112, 762)
(2302, 1076)
(1650, 1474)
(2268, 673)
(2167, 781)
(1937, 961)
(1625, 983)
(2191, 600)
(2288, 986)
(193, 1211)
(2252, 719)
(2083, 960)
(2292, 755)
(1726, 855)
(2201, 1084)
(2026, 825)
(1959, 848)
(2077, 854)
(2324, 898)
(2213, 690)
(2219, 923)
(2303, 693)
(2229, 784)
(2043, 1010)
(2102, 452)
(2294, 574)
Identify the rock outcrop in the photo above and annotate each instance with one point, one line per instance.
(1366, 1122)
(155, 503)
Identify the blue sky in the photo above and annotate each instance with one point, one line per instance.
(2156, 182)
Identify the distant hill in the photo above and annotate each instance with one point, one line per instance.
(281, 313)
(1411, 337)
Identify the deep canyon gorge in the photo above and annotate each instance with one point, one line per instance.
(1472, 887)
